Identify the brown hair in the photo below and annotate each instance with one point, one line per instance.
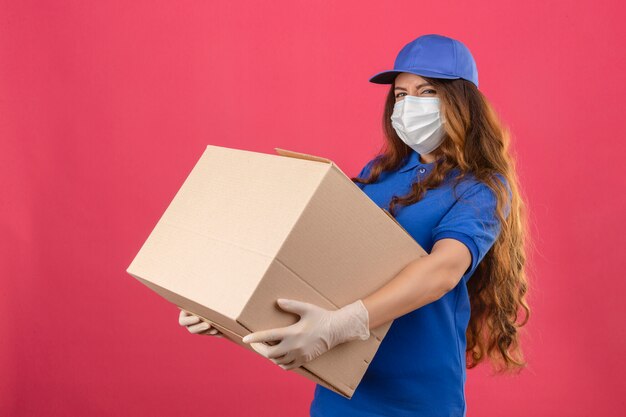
(475, 142)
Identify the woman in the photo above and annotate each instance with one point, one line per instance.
(446, 175)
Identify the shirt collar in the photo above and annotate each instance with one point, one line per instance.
(414, 162)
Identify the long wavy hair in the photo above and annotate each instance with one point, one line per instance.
(475, 142)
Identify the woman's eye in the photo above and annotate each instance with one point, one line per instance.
(428, 91)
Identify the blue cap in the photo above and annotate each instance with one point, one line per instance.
(433, 56)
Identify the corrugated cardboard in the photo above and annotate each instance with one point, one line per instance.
(247, 228)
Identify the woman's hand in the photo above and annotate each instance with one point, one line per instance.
(196, 325)
(317, 331)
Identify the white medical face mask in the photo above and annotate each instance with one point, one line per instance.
(418, 122)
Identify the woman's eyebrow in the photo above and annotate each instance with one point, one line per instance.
(418, 87)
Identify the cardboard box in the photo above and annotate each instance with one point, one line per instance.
(247, 228)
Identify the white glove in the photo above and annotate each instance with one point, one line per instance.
(317, 331)
(196, 325)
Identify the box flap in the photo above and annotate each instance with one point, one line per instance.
(299, 155)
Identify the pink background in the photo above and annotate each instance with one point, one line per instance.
(106, 106)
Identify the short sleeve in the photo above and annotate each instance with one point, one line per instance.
(473, 221)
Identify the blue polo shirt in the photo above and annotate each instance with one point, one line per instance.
(419, 368)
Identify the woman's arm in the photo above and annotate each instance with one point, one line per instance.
(421, 282)
(318, 330)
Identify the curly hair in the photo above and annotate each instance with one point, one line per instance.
(475, 142)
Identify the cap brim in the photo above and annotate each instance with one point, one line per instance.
(387, 77)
